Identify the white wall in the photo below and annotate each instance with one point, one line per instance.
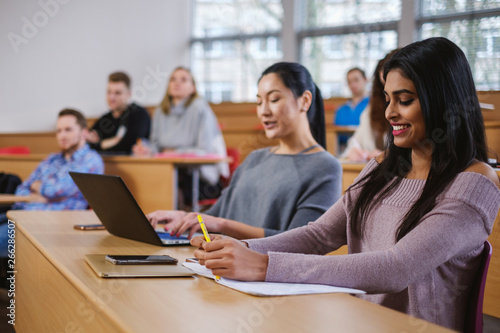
(58, 53)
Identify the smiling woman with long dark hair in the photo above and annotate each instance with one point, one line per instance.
(416, 218)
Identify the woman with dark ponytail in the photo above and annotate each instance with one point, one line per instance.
(298, 79)
(415, 220)
(277, 188)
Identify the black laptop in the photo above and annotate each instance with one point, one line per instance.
(118, 211)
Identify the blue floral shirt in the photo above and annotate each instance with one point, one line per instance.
(57, 185)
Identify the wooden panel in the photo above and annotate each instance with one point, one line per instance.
(11, 198)
(341, 251)
(492, 98)
(150, 183)
(331, 106)
(332, 133)
(493, 138)
(22, 166)
(37, 142)
(41, 287)
(349, 172)
(331, 142)
(239, 127)
(247, 140)
(234, 121)
(149, 180)
(231, 108)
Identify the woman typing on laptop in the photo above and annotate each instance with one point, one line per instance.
(281, 187)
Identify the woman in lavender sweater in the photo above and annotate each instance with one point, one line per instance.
(415, 219)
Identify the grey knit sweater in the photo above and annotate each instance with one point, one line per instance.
(191, 129)
(281, 192)
(427, 274)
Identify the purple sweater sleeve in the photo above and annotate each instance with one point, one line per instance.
(458, 225)
(309, 239)
(313, 240)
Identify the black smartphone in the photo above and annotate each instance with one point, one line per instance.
(89, 227)
(141, 260)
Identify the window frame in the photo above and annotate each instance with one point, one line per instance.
(408, 28)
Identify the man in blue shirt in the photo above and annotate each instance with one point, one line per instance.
(348, 114)
(50, 186)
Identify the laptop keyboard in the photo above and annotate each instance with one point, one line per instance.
(166, 235)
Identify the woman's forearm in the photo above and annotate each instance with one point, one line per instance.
(240, 230)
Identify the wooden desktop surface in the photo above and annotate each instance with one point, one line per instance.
(151, 180)
(8, 199)
(57, 291)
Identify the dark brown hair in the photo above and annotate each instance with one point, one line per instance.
(357, 69)
(120, 77)
(378, 123)
(80, 119)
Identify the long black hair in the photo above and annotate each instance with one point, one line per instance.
(379, 124)
(453, 124)
(298, 79)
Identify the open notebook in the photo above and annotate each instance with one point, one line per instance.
(270, 288)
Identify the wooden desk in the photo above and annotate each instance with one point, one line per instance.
(245, 137)
(152, 181)
(350, 171)
(492, 130)
(492, 293)
(332, 136)
(57, 291)
(250, 138)
(9, 199)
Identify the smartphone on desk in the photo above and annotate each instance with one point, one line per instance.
(89, 227)
(140, 260)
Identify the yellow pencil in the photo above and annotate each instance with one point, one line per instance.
(205, 233)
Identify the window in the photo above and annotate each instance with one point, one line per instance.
(329, 67)
(474, 26)
(431, 8)
(233, 42)
(334, 13)
(337, 35)
(217, 92)
(218, 18)
(239, 69)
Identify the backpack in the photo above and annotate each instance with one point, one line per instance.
(8, 185)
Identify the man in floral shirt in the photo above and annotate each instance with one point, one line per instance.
(50, 186)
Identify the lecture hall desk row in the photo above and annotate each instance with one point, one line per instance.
(241, 128)
(151, 180)
(245, 138)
